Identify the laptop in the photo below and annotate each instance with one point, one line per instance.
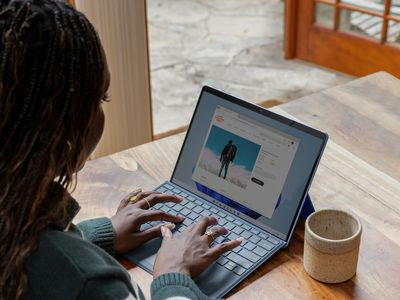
(248, 167)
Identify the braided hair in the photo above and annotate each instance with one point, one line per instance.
(53, 76)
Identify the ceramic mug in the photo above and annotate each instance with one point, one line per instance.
(331, 245)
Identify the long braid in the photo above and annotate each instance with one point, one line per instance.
(32, 93)
(52, 77)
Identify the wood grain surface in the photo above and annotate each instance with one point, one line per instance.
(122, 27)
(359, 173)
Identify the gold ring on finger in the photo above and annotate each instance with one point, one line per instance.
(210, 233)
(148, 203)
(134, 199)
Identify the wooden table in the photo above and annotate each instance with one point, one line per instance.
(360, 173)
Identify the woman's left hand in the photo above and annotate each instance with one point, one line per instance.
(130, 216)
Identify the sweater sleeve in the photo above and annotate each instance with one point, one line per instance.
(177, 285)
(99, 232)
(109, 289)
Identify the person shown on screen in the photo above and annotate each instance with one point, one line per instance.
(53, 83)
(226, 157)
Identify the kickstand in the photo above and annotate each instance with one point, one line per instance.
(308, 208)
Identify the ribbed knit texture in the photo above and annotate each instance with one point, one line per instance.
(100, 232)
(175, 285)
(66, 265)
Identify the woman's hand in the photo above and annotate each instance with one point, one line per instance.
(189, 252)
(130, 216)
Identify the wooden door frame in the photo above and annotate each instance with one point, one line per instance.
(290, 28)
(122, 27)
(353, 54)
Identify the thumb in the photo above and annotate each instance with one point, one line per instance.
(166, 232)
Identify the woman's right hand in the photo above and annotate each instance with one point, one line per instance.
(189, 252)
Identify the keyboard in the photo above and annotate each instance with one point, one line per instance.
(256, 244)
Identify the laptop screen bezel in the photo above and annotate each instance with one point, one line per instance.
(260, 110)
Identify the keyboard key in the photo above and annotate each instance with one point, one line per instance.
(232, 236)
(254, 239)
(206, 206)
(229, 226)
(229, 218)
(220, 240)
(245, 226)
(155, 223)
(184, 195)
(168, 186)
(236, 250)
(248, 245)
(205, 213)
(237, 230)
(239, 270)
(161, 189)
(198, 202)
(266, 245)
(222, 260)
(221, 214)
(168, 192)
(198, 209)
(222, 222)
(157, 206)
(185, 211)
(178, 207)
(238, 223)
(239, 260)
(214, 210)
(246, 234)
(230, 265)
(164, 208)
(259, 251)
(190, 205)
(273, 240)
(263, 235)
(176, 191)
(249, 255)
(255, 231)
(172, 212)
(187, 222)
(190, 198)
(192, 216)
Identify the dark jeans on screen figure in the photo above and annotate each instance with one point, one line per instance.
(224, 165)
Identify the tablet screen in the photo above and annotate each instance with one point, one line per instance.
(252, 164)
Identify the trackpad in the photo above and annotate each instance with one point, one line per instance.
(216, 280)
(145, 256)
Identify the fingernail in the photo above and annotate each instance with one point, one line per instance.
(240, 239)
(179, 197)
(163, 231)
(169, 225)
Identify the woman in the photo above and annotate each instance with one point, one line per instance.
(53, 79)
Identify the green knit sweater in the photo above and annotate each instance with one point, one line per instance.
(78, 264)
